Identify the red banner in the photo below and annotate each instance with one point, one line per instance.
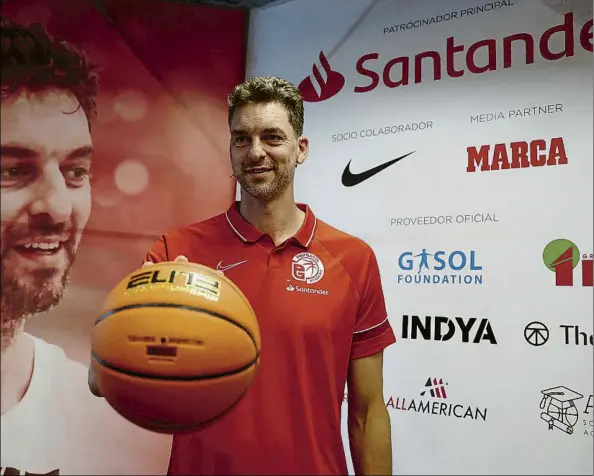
(159, 161)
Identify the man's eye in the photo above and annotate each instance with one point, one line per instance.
(15, 171)
(77, 176)
(13, 174)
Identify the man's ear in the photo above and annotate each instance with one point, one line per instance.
(303, 149)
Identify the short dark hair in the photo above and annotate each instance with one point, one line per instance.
(269, 89)
(33, 61)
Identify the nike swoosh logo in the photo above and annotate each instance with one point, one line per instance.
(229, 266)
(350, 179)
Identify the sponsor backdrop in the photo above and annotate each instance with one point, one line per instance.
(161, 161)
(456, 139)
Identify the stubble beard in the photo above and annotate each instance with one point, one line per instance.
(268, 191)
(20, 301)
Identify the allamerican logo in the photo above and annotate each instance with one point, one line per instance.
(435, 400)
(517, 155)
(325, 82)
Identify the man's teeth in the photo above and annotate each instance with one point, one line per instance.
(43, 246)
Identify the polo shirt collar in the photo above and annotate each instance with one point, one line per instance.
(250, 234)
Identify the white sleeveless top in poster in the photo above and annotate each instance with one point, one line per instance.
(60, 428)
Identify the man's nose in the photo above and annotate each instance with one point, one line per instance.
(257, 152)
(52, 196)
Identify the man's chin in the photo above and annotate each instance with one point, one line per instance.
(31, 294)
(263, 191)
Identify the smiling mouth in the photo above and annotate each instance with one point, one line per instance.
(41, 248)
(258, 170)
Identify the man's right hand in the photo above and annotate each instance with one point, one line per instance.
(179, 259)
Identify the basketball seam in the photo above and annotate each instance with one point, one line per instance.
(107, 314)
(180, 429)
(189, 378)
(132, 373)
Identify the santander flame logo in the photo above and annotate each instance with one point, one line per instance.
(324, 84)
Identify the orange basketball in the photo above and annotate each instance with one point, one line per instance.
(175, 347)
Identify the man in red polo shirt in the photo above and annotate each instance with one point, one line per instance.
(320, 306)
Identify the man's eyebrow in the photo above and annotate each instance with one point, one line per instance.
(80, 152)
(274, 130)
(17, 151)
(267, 130)
(22, 152)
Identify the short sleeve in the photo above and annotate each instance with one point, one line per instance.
(158, 253)
(373, 332)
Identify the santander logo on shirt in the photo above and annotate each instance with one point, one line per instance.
(453, 59)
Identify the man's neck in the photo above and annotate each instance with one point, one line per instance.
(279, 218)
(16, 369)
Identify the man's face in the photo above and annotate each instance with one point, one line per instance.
(45, 200)
(265, 149)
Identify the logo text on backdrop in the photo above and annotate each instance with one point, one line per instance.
(487, 7)
(517, 155)
(399, 71)
(440, 328)
(439, 267)
(519, 113)
(459, 218)
(537, 334)
(435, 401)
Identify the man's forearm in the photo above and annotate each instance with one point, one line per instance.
(370, 439)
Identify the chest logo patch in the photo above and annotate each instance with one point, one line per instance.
(307, 267)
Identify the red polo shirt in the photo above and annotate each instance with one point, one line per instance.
(319, 302)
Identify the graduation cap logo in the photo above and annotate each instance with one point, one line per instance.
(559, 408)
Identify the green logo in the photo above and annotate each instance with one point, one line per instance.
(555, 249)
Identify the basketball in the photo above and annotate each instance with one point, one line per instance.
(175, 347)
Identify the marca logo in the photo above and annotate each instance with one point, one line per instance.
(435, 388)
(562, 257)
(403, 70)
(517, 155)
(441, 328)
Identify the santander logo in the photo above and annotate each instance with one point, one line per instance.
(453, 59)
(324, 83)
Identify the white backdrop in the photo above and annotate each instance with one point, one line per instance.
(496, 374)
